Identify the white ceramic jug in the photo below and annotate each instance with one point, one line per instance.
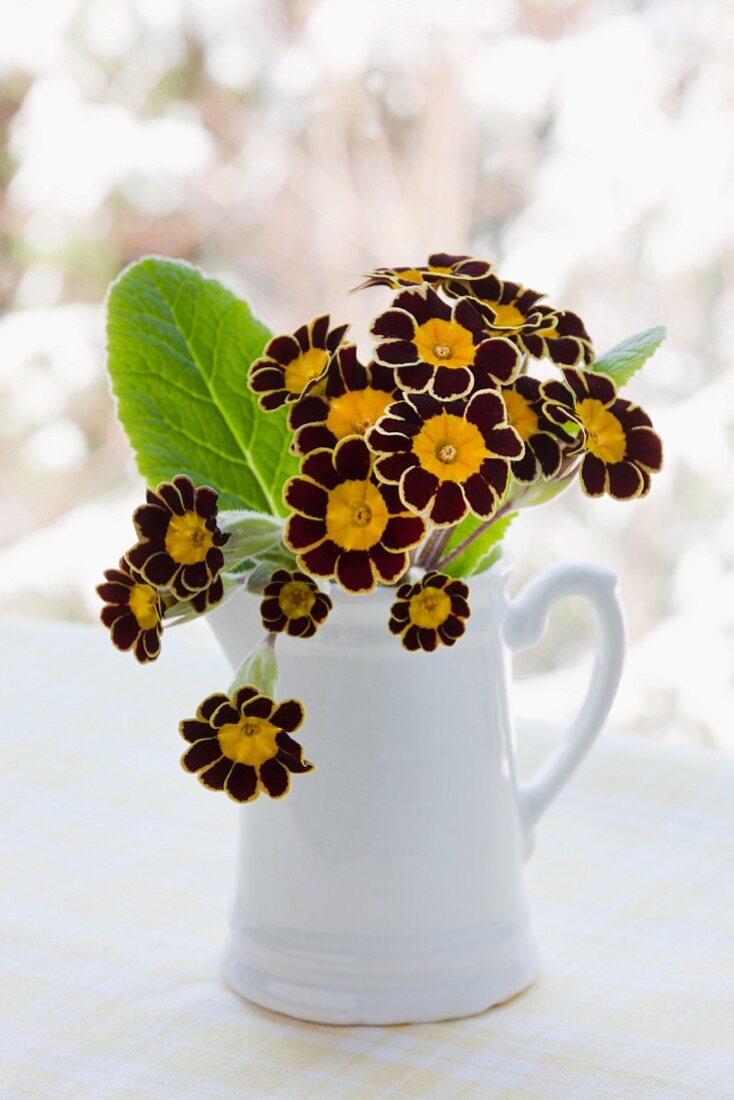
(387, 887)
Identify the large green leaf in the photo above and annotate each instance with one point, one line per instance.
(480, 554)
(625, 359)
(179, 348)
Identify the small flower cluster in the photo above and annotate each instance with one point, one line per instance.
(443, 425)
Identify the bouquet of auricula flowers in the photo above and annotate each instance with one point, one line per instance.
(284, 465)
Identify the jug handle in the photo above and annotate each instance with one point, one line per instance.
(524, 627)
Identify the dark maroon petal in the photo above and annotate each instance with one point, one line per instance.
(266, 378)
(565, 351)
(302, 627)
(396, 353)
(352, 459)
(556, 392)
(292, 763)
(485, 409)
(259, 707)
(206, 502)
(600, 387)
(112, 612)
(241, 784)
(306, 497)
(392, 467)
(466, 315)
(301, 533)
(244, 695)
(428, 639)
(321, 560)
(319, 331)
(274, 778)
(625, 481)
(194, 577)
(451, 382)
(418, 488)
(148, 645)
(288, 715)
(114, 593)
(158, 568)
(185, 488)
(645, 446)
(403, 532)
(309, 410)
(548, 452)
(389, 565)
(460, 607)
(125, 631)
(284, 349)
(216, 776)
(452, 629)
(498, 357)
(214, 562)
(395, 324)
(202, 754)
(497, 472)
(169, 493)
(313, 437)
(287, 745)
(505, 442)
(410, 638)
(526, 469)
(192, 730)
(383, 441)
(449, 505)
(355, 572)
(270, 608)
(480, 497)
(211, 705)
(226, 715)
(414, 379)
(631, 416)
(320, 468)
(593, 476)
(423, 305)
(151, 521)
(457, 588)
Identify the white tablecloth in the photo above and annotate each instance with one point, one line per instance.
(117, 874)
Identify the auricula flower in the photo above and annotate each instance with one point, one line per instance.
(346, 525)
(133, 612)
(446, 457)
(293, 604)
(619, 445)
(353, 397)
(542, 437)
(293, 365)
(431, 612)
(440, 267)
(518, 313)
(441, 349)
(242, 744)
(179, 543)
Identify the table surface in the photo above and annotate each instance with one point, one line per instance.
(118, 876)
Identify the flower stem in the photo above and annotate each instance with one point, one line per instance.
(457, 550)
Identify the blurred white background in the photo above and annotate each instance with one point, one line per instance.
(586, 146)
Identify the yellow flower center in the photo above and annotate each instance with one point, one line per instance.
(356, 515)
(249, 741)
(188, 539)
(430, 608)
(302, 370)
(444, 343)
(144, 605)
(507, 315)
(605, 434)
(354, 412)
(296, 599)
(520, 413)
(411, 275)
(451, 448)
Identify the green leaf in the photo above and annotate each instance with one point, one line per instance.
(251, 535)
(260, 668)
(625, 359)
(480, 554)
(179, 348)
